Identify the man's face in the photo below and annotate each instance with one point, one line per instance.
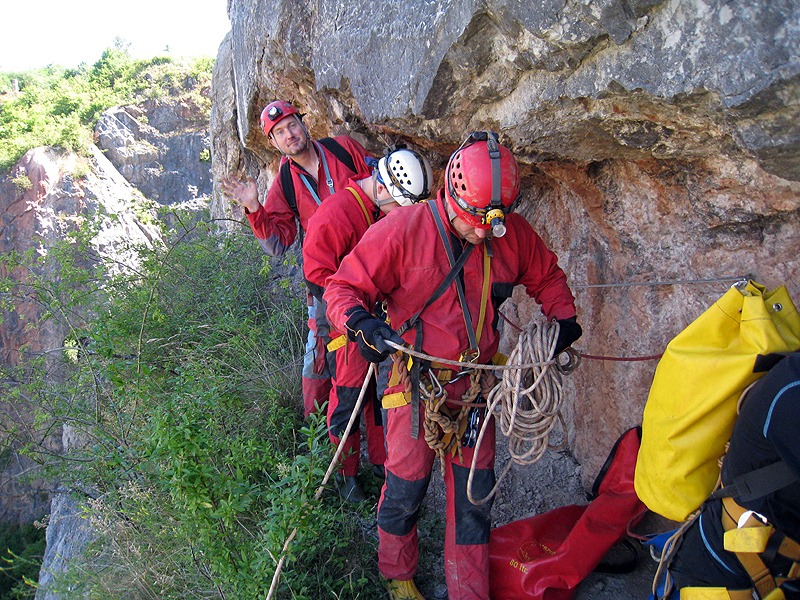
(289, 136)
(474, 235)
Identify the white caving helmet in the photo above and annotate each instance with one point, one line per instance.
(406, 174)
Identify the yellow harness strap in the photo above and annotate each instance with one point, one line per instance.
(487, 266)
(340, 341)
(396, 399)
(748, 541)
(367, 216)
(714, 593)
(336, 343)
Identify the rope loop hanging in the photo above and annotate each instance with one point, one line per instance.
(527, 401)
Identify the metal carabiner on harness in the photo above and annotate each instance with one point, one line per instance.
(436, 385)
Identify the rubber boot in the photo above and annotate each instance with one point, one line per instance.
(349, 489)
(403, 590)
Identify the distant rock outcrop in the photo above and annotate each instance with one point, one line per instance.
(161, 147)
(659, 142)
(56, 203)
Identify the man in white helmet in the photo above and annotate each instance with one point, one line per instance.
(401, 177)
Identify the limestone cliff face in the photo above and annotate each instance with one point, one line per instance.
(659, 141)
(57, 203)
(159, 148)
(148, 155)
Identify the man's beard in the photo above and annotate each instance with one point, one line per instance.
(298, 148)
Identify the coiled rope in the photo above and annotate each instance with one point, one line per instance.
(526, 402)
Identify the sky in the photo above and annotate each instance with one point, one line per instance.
(69, 32)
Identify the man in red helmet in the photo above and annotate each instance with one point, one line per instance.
(443, 268)
(400, 178)
(310, 171)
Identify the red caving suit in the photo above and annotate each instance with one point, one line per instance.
(275, 228)
(402, 259)
(332, 233)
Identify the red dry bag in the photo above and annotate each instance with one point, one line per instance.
(546, 556)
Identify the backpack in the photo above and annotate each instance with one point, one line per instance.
(692, 405)
(287, 183)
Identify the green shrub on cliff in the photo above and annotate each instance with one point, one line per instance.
(181, 386)
(21, 551)
(59, 107)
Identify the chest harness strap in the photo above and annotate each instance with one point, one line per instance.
(456, 268)
(309, 182)
(755, 543)
(341, 340)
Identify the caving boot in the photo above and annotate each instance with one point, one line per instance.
(349, 489)
(400, 589)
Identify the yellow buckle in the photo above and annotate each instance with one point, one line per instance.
(469, 356)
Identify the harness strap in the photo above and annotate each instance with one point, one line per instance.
(310, 184)
(715, 593)
(473, 340)
(328, 178)
(487, 269)
(415, 322)
(758, 483)
(312, 189)
(748, 536)
(336, 343)
(367, 216)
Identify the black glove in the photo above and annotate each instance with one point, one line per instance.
(370, 333)
(568, 332)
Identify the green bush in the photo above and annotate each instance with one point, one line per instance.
(21, 551)
(59, 107)
(183, 382)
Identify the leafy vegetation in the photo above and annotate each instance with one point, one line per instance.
(22, 547)
(179, 379)
(55, 106)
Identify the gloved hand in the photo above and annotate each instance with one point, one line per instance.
(568, 332)
(371, 333)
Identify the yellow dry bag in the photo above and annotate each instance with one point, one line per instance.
(691, 408)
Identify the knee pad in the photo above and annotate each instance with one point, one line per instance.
(473, 523)
(399, 510)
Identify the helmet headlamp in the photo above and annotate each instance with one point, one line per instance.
(496, 218)
(482, 183)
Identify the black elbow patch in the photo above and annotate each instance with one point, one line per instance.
(502, 291)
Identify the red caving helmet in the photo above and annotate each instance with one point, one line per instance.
(482, 182)
(274, 112)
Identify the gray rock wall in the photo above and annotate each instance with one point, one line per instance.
(158, 147)
(658, 141)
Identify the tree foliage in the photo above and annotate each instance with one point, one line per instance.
(179, 379)
(56, 106)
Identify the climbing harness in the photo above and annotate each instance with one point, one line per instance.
(750, 538)
(526, 401)
(748, 535)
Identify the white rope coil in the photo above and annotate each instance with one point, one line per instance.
(526, 402)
